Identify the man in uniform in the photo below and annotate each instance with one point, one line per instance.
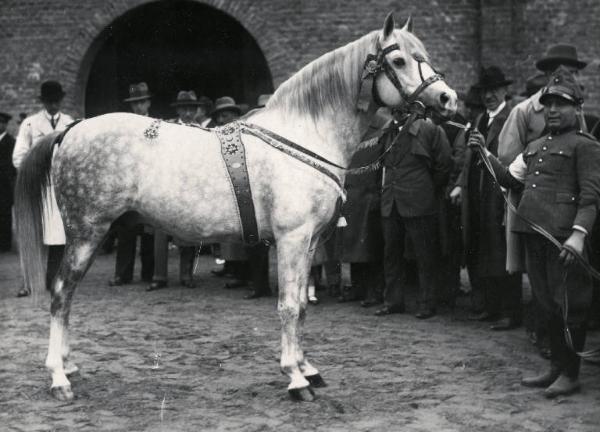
(34, 127)
(558, 174)
(7, 182)
(483, 214)
(415, 174)
(139, 102)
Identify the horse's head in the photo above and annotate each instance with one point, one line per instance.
(406, 75)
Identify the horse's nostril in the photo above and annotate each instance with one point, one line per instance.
(444, 98)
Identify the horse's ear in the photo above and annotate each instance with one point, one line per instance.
(388, 25)
(408, 25)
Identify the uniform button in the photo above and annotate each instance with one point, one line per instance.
(572, 198)
(560, 152)
(544, 148)
(537, 173)
(540, 160)
(533, 185)
(549, 137)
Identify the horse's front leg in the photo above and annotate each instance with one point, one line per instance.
(293, 261)
(308, 370)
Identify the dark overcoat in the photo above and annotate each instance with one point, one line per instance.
(7, 173)
(483, 208)
(362, 240)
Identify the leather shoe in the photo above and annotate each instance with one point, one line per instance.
(237, 283)
(505, 324)
(256, 294)
(117, 281)
(188, 283)
(388, 310)
(483, 316)
(370, 302)
(23, 292)
(543, 380)
(563, 386)
(156, 285)
(426, 313)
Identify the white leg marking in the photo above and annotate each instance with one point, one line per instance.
(54, 361)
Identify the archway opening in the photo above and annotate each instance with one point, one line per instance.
(172, 46)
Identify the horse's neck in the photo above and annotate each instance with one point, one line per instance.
(335, 136)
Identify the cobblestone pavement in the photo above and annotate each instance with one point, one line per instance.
(183, 359)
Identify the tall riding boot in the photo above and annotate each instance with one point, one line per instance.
(568, 383)
(556, 360)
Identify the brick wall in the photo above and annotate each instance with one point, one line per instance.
(57, 39)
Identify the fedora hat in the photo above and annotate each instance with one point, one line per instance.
(534, 83)
(226, 103)
(263, 99)
(4, 117)
(138, 92)
(492, 77)
(51, 91)
(560, 54)
(186, 98)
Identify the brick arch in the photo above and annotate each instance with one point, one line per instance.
(91, 34)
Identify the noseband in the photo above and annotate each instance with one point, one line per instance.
(377, 63)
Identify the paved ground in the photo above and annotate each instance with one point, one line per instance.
(205, 359)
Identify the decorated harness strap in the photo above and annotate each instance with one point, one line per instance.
(234, 155)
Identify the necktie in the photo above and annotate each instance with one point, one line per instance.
(53, 122)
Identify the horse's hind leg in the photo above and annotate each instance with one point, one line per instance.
(76, 261)
(293, 262)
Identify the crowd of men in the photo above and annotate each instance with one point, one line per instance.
(435, 202)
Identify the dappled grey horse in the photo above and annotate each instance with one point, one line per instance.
(118, 163)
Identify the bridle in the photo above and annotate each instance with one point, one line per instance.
(377, 63)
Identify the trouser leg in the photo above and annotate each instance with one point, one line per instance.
(147, 256)
(5, 231)
(161, 256)
(258, 266)
(55, 256)
(187, 255)
(394, 263)
(424, 235)
(125, 260)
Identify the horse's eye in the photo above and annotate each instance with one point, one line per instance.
(399, 62)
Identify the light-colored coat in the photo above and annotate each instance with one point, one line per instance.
(32, 129)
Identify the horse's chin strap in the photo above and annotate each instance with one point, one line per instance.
(375, 64)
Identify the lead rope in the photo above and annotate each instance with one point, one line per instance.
(593, 354)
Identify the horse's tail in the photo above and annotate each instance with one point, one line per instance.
(30, 193)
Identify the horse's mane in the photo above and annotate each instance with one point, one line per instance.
(332, 80)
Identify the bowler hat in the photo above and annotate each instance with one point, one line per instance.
(138, 92)
(226, 103)
(563, 84)
(491, 78)
(558, 54)
(51, 91)
(186, 98)
(533, 84)
(4, 117)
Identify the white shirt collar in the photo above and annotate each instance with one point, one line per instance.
(494, 113)
(49, 116)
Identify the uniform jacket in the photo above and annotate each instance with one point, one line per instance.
(362, 240)
(490, 244)
(7, 173)
(562, 183)
(32, 129)
(416, 170)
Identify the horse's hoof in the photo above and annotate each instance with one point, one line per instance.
(305, 394)
(316, 381)
(62, 393)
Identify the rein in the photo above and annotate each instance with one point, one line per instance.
(592, 272)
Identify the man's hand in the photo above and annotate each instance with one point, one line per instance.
(476, 139)
(575, 243)
(456, 195)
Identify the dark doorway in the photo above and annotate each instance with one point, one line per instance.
(175, 45)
